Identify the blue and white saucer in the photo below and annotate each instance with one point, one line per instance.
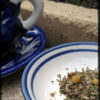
(33, 43)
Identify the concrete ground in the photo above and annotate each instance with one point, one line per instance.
(11, 87)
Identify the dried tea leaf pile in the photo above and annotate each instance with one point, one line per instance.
(80, 85)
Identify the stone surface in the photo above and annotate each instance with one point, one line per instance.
(63, 23)
(11, 87)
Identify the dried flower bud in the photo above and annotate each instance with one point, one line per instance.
(95, 81)
(76, 79)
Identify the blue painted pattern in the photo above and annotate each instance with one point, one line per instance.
(12, 29)
(18, 45)
(33, 43)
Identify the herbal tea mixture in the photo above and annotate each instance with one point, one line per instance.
(80, 85)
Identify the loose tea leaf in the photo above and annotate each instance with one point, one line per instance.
(80, 85)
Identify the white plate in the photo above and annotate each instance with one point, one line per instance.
(44, 68)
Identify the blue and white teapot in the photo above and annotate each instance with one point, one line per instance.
(12, 25)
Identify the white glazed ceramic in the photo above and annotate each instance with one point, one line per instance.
(38, 74)
(38, 8)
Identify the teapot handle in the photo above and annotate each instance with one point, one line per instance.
(38, 8)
